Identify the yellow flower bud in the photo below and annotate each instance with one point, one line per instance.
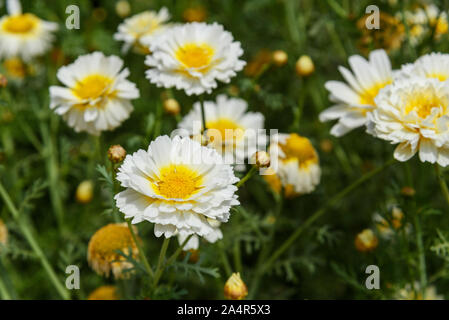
(261, 159)
(197, 14)
(3, 81)
(235, 288)
(171, 106)
(280, 58)
(122, 8)
(408, 191)
(104, 293)
(305, 66)
(84, 192)
(116, 153)
(366, 241)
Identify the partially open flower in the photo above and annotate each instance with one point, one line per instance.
(235, 288)
(366, 241)
(104, 293)
(261, 159)
(116, 153)
(84, 192)
(102, 251)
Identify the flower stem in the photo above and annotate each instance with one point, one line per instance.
(250, 173)
(159, 268)
(224, 259)
(421, 255)
(203, 113)
(442, 183)
(33, 244)
(330, 203)
(141, 252)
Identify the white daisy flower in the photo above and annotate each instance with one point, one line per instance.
(139, 29)
(432, 65)
(193, 57)
(298, 168)
(414, 113)
(232, 131)
(180, 186)
(24, 35)
(96, 96)
(353, 101)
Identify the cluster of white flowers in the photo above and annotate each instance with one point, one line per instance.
(408, 107)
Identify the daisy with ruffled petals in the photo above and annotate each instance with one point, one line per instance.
(139, 29)
(97, 96)
(434, 65)
(232, 131)
(414, 113)
(193, 57)
(353, 101)
(24, 35)
(180, 186)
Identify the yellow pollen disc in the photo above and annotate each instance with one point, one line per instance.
(300, 148)
(92, 87)
(423, 103)
(177, 182)
(220, 127)
(439, 76)
(195, 55)
(112, 237)
(367, 97)
(21, 24)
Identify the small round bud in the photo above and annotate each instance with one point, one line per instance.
(366, 241)
(122, 8)
(171, 106)
(280, 58)
(408, 191)
(116, 153)
(85, 191)
(261, 159)
(326, 145)
(235, 288)
(305, 66)
(3, 234)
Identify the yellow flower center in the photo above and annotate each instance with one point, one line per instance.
(299, 148)
(21, 24)
(195, 55)
(367, 97)
(439, 76)
(15, 67)
(220, 127)
(177, 182)
(92, 87)
(107, 240)
(423, 103)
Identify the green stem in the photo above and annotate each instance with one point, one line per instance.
(422, 256)
(33, 244)
(224, 259)
(141, 252)
(160, 263)
(177, 252)
(329, 204)
(203, 114)
(250, 173)
(442, 183)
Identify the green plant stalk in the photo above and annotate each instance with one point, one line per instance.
(4, 293)
(442, 183)
(250, 173)
(224, 259)
(177, 252)
(139, 248)
(33, 244)
(203, 114)
(334, 200)
(291, 20)
(160, 262)
(421, 255)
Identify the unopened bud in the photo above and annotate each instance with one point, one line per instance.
(235, 288)
(3, 233)
(366, 241)
(171, 106)
(85, 191)
(261, 159)
(408, 191)
(305, 66)
(122, 8)
(116, 153)
(280, 58)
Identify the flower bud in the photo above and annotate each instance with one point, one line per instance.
(235, 288)
(261, 159)
(305, 66)
(326, 145)
(3, 81)
(280, 58)
(366, 241)
(84, 192)
(122, 8)
(3, 234)
(197, 14)
(116, 153)
(408, 191)
(171, 106)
